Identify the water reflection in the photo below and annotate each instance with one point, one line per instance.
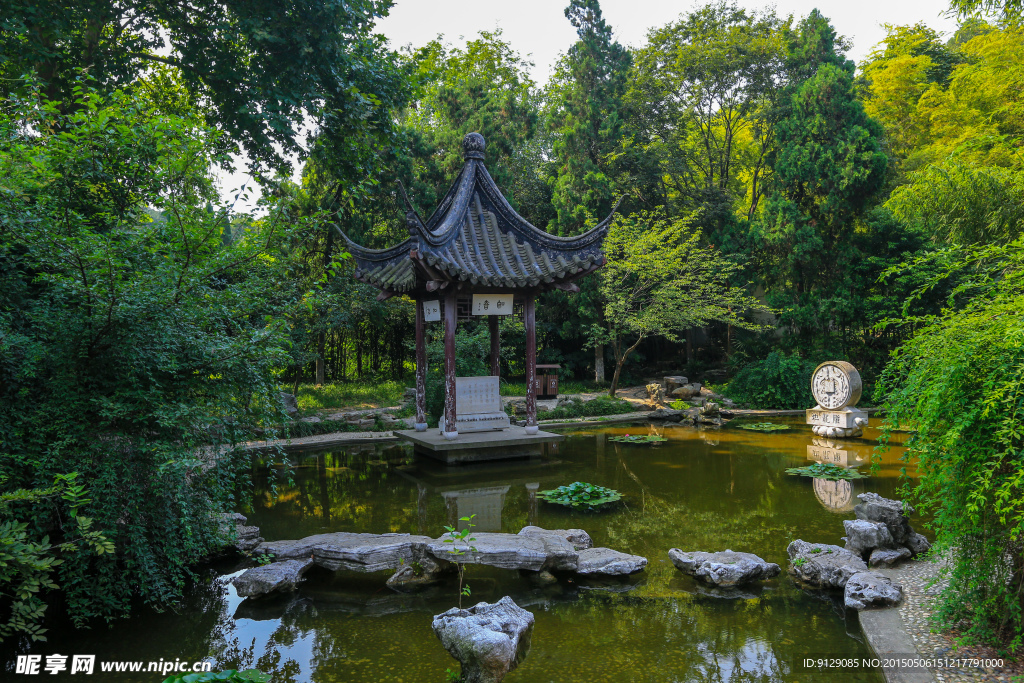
(700, 490)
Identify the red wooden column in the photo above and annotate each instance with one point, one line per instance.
(450, 318)
(421, 370)
(531, 365)
(492, 321)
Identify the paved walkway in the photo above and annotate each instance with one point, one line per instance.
(920, 591)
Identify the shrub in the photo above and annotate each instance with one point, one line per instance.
(133, 328)
(778, 382)
(603, 405)
(959, 383)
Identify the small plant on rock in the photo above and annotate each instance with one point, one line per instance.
(464, 537)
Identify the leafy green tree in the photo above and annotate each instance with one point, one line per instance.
(585, 113)
(963, 204)
(660, 281)
(958, 385)
(703, 92)
(262, 70)
(828, 166)
(138, 339)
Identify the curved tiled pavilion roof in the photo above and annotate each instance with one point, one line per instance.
(476, 240)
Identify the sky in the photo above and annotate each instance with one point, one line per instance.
(538, 29)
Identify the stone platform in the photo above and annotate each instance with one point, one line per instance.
(513, 442)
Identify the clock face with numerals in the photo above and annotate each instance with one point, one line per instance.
(836, 384)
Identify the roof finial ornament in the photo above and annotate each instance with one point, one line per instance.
(473, 146)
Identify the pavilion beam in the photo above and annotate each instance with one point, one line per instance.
(531, 365)
(421, 369)
(451, 431)
(492, 321)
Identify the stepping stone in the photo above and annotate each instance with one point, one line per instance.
(723, 569)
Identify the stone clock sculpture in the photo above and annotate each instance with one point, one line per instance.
(836, 387)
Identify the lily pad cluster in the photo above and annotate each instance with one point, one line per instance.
(581, 496)
(652, 438)
(764, 427)
(827, 471)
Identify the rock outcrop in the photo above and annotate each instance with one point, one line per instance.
(868, 589)
(579, 538)
(725, 569)
(488, 640)
(822, 565)
(246, 538)
(882, 533)
(276, 576)
(608, 562)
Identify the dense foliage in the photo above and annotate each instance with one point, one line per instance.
(137, 335)
(958, 383)
(779, 381)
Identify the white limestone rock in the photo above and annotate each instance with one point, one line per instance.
(489, 640)
(868, 589)
(725, 569)
(823, 565)
(270, 578)
(608, 562)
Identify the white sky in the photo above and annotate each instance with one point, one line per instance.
(538, 28)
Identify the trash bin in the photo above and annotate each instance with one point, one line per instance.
(547, 381)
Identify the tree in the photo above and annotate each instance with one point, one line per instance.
(702, 93)
(659, 281)
(139, 339)
(957, 385)
(585, 114)
(263, 70)
(828, 165)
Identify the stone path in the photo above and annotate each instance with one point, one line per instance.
(533, 549)
(915, 611)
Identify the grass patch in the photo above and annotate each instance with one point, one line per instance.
(364, 394)
(599, 406)
(569, 386)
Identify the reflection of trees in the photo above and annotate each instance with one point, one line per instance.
(350, 489)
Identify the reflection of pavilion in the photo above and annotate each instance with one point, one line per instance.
(475, 490)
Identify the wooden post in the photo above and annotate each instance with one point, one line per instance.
(531, 365)
(492, 321)
(451, 431)
(421, 370)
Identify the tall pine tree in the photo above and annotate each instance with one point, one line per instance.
(586, 118)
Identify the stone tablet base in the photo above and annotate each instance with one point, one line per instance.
(843, 423)
(514, 442)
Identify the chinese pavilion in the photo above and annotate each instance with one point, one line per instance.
(476, 248)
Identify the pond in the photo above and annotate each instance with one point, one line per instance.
(700, 490)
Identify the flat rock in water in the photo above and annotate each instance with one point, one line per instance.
(356, 552)
(533, 552)
(823, 565)
(863, 536)
(489, 640)
(579, 538)
(369, 552)
(276, 576)
(725, 568)
(867, 589)
(608, 562)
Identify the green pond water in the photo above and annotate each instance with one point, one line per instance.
(700, 490)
